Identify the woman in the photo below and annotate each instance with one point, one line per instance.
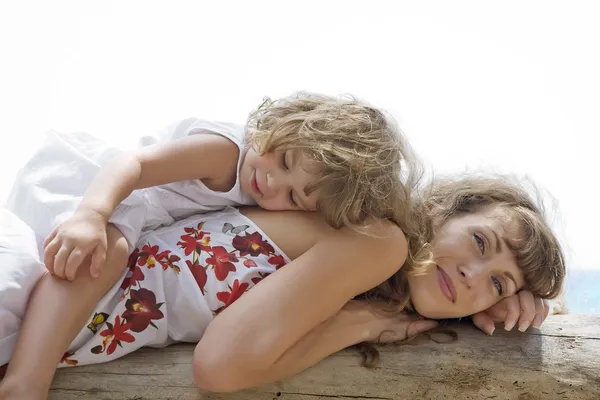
(485, 246)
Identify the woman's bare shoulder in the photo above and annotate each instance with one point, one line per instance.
(293, 231)
(297, 231)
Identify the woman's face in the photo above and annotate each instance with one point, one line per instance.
(475, 267)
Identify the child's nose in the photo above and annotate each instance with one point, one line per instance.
(273, 183)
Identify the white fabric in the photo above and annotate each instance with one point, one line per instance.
(48, 189)
(20, 269)
(50, 186)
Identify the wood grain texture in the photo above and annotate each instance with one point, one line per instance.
(561, 361)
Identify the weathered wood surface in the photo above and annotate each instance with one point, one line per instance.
(562, 361)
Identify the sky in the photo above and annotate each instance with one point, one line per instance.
(508, 86)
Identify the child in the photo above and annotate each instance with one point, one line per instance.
(308, 152)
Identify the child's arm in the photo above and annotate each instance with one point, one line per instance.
(200, 156)
(209, 157)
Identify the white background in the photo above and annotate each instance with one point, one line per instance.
(514, 85)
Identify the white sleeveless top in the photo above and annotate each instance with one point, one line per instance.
(193, 195)
(162, 205)
(48, 189)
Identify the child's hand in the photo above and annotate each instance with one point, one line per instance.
(71, 242)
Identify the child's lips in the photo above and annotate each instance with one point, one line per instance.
(254, 183)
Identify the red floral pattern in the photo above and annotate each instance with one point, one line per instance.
(252, 244)
(150, 255)
(65, 359)
(115, 334)
(199, 273)
(277, 261)
(141, 309)
(235, 292)
(217, 264)
(223, 261)
(135, 273)
(195, 240)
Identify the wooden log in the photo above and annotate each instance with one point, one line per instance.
(561, 361)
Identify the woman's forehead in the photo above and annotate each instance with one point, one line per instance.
(497, 217)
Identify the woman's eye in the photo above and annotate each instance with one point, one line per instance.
(498, 285)
(283, 161)
(480, 242)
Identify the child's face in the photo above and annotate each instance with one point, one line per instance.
(277, 180)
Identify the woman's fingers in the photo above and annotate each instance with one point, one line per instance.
(484, 322)
(547, 307)
(513, 311)
(539, 313)
(528, 308)
(419, 326)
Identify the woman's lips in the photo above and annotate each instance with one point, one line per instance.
(446, 285)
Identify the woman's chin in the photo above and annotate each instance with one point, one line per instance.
(433, 311)
(427, 311)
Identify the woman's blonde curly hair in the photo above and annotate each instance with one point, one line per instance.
(357, 152)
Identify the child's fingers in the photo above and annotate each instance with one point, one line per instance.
(73, 262)
(60, 261)
(98, 260)
(50, 251)
(50, 238)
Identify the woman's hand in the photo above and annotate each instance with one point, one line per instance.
(521, 309)
(385, 326)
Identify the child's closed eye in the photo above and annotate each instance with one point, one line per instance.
(284, 163)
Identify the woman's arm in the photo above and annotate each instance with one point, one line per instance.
(356, 322)
(257, 335)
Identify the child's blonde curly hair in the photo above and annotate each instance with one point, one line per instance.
(356, 150)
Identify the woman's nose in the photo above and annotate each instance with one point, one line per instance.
(471, 274)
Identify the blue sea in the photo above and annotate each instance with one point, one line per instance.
(583, 291)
